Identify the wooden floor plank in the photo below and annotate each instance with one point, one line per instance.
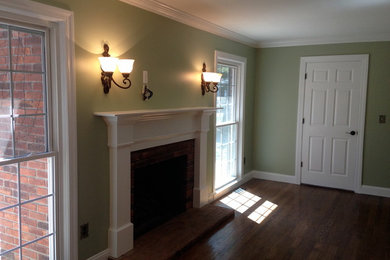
(169, 239)
(309, 223)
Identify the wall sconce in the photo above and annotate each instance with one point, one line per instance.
(210, 81)
(108, 65)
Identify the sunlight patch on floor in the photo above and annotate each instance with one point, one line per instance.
(240, 200)
(259, 214)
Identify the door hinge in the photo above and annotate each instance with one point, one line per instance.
(305, 75)
(244, 159)
(301, 164)
(303, 121)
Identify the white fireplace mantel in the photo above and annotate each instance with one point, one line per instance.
(140, 129)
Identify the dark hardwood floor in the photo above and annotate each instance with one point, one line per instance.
(309, 223)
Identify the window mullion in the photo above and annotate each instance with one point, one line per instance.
(11, 92)
(19, 212)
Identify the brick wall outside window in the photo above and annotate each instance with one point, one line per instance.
(23, 133)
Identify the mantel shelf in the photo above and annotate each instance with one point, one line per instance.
(132, 113)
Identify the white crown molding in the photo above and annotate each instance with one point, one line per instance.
(191, 20)
(326, 40)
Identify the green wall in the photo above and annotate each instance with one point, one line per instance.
(173, 54)
(276, 104)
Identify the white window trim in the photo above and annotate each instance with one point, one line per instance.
(240, 62)
(61, 27)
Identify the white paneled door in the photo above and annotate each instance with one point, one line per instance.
(333, 111)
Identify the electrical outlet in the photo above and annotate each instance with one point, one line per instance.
(382, 119)
(84, 230)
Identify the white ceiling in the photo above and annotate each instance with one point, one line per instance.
(267, 23)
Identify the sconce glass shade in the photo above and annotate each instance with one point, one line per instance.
(108, 64)
(212, 77)
(125, 65)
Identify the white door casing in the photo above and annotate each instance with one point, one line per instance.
(331, 114)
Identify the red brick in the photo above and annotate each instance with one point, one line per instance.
(12, 232)
(9, 239)
(37, 182)
(30, 206)
(38, 216)
(43, 209)
(27, 172)
(29, 221)
(33, 41)
(42, 174)
(21, 51)
(29, 253)
(37, 165)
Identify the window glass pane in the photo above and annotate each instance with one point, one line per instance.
(226, 155)
(226, 95)
(38, 250)
(30, 135)
(13, 255)
(6, 143)
(26, 51)
(9, 229)
(35, 219)
(5, 93)
(4, 48)
(8, 185)
(34, 181)
(28, 93)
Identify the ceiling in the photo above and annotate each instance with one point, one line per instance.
(273, 23)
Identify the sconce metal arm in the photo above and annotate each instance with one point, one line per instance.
(126, 79)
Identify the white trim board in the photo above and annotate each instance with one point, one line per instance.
(374, 191)
(245, 178)
(191, 20)
(271, 176)
(278, 177)
(241, 64)
(103, 255)
(327, 40)
(204, 25)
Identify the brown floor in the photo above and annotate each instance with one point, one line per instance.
(309, 223)
(179, 233)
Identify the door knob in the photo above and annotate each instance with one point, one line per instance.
(352, 133)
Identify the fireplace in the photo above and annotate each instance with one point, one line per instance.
(132, 131)
(162, 183)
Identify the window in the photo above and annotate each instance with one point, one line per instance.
(26, 155)
(228, 144)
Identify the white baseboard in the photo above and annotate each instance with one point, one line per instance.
(100, 256)
(245, 178)
(375, 191)
(270, 176)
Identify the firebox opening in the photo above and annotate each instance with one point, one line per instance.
(159, 193)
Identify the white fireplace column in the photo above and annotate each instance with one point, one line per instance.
(140, 129)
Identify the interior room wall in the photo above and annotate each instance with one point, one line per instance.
(172, 53)
(276, 104)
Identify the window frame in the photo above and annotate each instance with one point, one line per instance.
(49, 152)
(63, 100)
(240, 62)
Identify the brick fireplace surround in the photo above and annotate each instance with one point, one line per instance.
(130, 131)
